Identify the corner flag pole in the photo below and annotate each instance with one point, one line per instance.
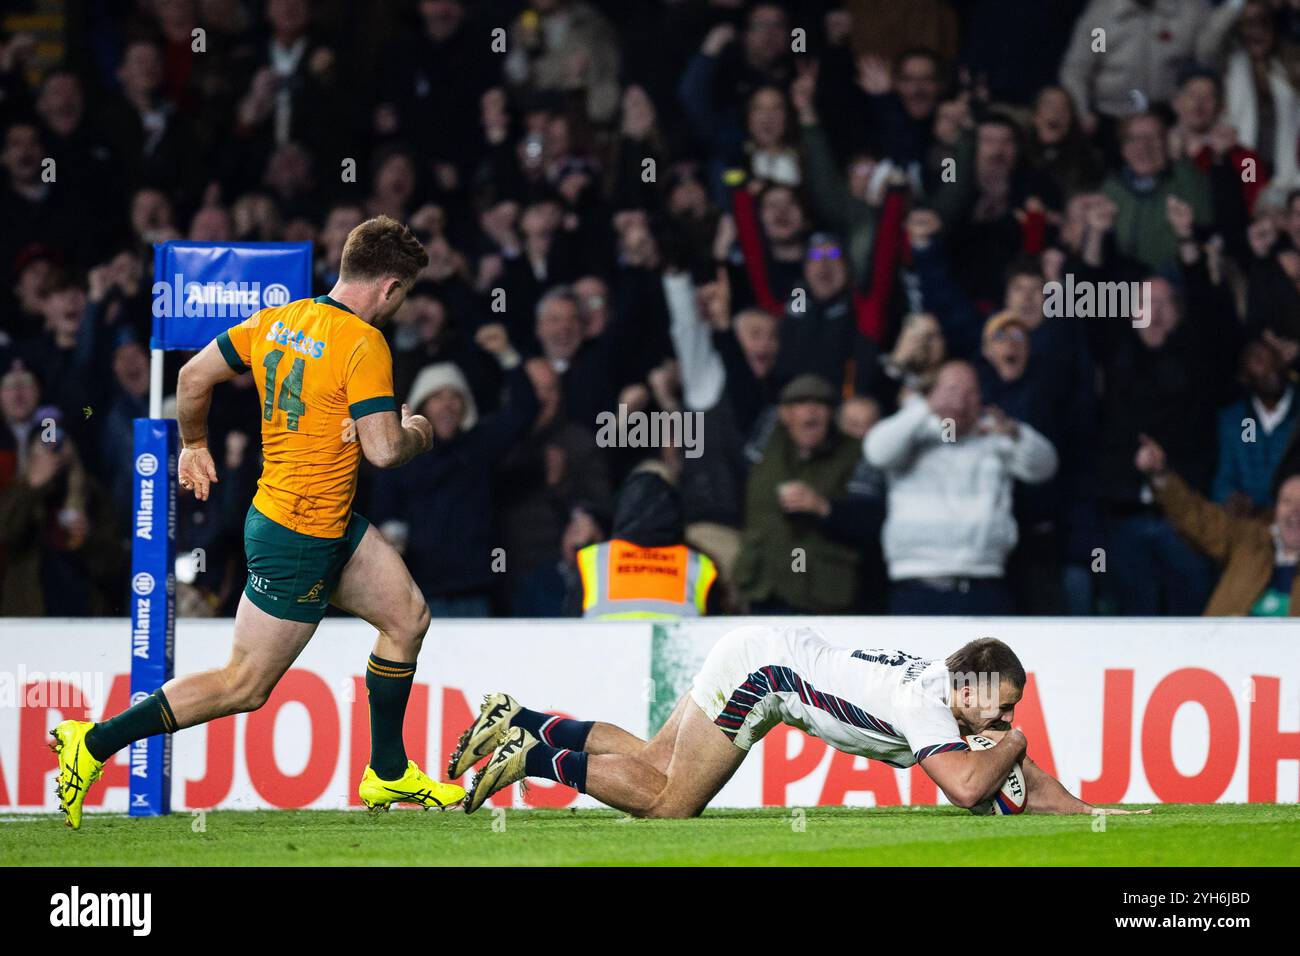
(155, 382)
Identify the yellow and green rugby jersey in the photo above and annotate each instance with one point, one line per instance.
(318, 367)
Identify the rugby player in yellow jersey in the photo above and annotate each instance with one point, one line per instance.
(324, 374)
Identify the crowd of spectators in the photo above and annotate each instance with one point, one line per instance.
(868, 245)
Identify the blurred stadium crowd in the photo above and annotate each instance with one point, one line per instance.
(832, 245)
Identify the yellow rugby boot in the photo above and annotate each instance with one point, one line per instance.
(482, 736)
(77, 768)
(505, 767)
(415, 786)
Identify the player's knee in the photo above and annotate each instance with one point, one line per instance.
(415, 619)
(666, 806)
(406, 622)
(246, 690)
(422, 617)
(254, 699)
(252, 696)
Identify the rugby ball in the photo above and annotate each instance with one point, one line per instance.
(1010, 799)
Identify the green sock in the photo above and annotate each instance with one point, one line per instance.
(388, 685)
(151, 716)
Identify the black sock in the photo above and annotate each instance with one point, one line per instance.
(388, 685)
(560, 764)
(151, 716)
(554, 731)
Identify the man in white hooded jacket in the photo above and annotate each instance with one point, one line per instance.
(950, 464)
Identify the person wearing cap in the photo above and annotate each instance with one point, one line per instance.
(950, 463)
(800, 551)
(1005, 345)
(437, 511)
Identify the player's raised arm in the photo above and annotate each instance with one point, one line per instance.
(387, 442)
(968, 777)
(198, 377)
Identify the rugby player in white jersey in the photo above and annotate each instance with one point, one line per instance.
(881, 704)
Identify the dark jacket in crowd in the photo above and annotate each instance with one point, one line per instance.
(532, 512)
(1056, 397)
(823, 339)
(445, 497)
(1170, 393)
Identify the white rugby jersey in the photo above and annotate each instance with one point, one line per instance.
(883, 704)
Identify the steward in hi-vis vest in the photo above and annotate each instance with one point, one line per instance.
(644, 571)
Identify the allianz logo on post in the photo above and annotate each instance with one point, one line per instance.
(144, 513)
(179, 298)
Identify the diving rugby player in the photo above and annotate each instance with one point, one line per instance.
(885, 705)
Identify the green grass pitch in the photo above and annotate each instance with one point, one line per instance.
(1222, 835)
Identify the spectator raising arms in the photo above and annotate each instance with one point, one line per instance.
(675, 213)
(1258, 555)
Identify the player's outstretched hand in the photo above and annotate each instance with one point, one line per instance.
(197, 471)
(420, 425)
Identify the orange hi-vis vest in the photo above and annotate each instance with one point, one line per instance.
(624, 581)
